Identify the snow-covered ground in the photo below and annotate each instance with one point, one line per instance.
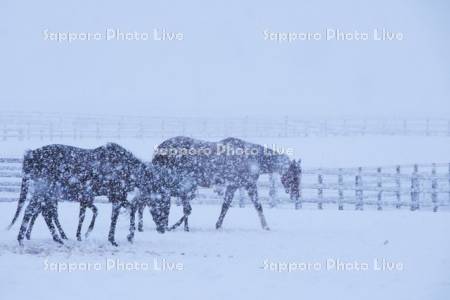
(230, 264)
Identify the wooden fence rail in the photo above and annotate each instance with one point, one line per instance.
(56, 126)
(413, 186)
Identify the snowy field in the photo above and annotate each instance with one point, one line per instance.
(393, 254)
(230, 264)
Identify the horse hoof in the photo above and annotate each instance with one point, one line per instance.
(59, 241)
(64, 237)
(266, 228)
(140, 229)
(130, 238)
(113, 243)
(218, 226)
(87, 233)
(79, 238)
(27, 237)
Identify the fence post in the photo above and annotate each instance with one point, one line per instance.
(398, 185)
(97, 130)
(119, 129)
(205, 128)
(415, 189)
(74, 128)
(383, 127)
(380, 189)
(80, 130)
(5, 132)
(272, 190)
(320, 190)
(50, 129)
(434, 187)
(298, 198)
(286, 126)
(183, 128)
(28, 131)
(141, 130)
(60, 128)
(305, 128)
(359, 190)
(340, 190)
(163, 128)
(364, 128)
(21, 135)
(244, 126)
(449, 183)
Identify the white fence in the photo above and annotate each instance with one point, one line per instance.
(413, 186)
(57, 126)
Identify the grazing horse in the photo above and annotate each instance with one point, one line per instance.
(231, 162)
(60, 171)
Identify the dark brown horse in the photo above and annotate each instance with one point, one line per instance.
(231, 162)
(75, 174)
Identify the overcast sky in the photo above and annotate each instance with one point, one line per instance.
(223, 65)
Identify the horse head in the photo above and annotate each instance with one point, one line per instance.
(154, 185)
(291, 179)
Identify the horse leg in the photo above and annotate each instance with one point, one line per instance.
(30, 227)
(32, 209)
(229, 193)
(130, 236)
(94, 216)
(253, 193)
(116, 205)
(141, 206)
(166, 209)
(61, 231)
(48, 217)
(56, 220)
(186, 211)
(181, 220)
(81, 219)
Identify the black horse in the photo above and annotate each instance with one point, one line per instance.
(231, 162)
(75, 174)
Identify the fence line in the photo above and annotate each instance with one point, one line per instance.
(55, 126)
(414, 186)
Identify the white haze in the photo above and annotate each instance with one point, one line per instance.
(224, 66)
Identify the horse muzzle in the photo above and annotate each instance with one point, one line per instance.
(161, 229)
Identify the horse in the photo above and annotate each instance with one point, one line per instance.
(231, 162)
(166, 183)
(76, 174)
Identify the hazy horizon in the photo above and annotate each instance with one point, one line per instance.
(223, 66)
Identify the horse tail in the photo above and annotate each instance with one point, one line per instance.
(298, 174)
(23, 190)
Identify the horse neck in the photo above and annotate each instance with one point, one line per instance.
(274, 164)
